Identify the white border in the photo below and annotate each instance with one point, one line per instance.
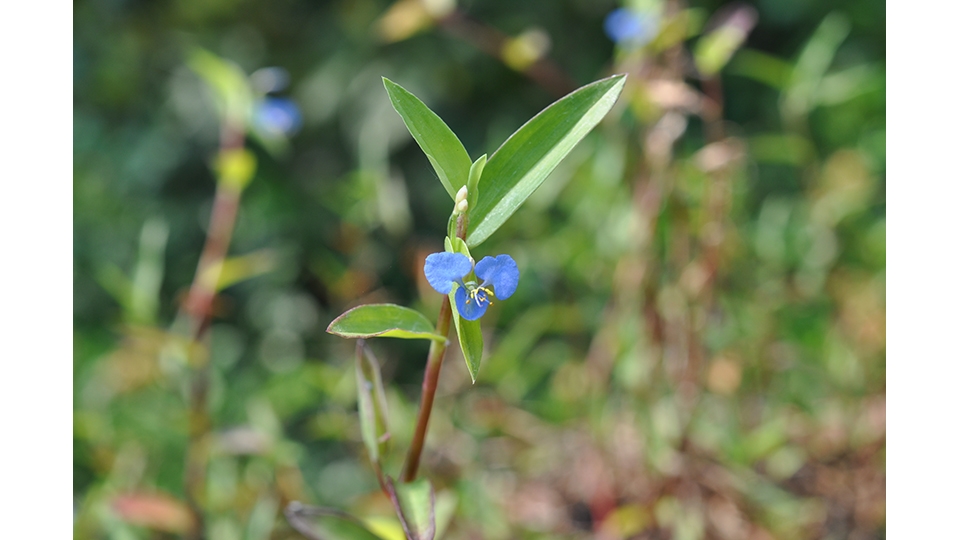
(923, 289)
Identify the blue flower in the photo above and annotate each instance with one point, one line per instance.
(500, 277)
(277, 116)
(630, 28)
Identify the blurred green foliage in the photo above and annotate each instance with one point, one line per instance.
(697, 345)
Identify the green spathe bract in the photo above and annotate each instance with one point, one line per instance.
(383, 320)
(468, 332)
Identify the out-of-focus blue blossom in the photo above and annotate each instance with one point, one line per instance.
(498, 273)
(277, 116)
(630, 28)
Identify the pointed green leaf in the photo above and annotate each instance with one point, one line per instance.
(414, 503)
(383, 320)
(371, 403)
(525, 160)
(442, 147)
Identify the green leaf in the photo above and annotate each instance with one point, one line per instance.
(414, 503)
(525, 160)
(371, 403)
(442, 147)
(383, 320)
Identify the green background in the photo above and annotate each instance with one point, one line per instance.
(697, 345)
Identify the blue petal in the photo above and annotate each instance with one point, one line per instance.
(472, 311)
(278, 116)
(628, 27)
(442, 269)
(622, 24)
(501, 272)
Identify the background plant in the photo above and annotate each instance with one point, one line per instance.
(700, 351)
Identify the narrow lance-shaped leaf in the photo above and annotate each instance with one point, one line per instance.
(371, 403)
(383, 320)
(442, 147)
(525, 160)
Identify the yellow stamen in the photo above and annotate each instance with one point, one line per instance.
(480, 300)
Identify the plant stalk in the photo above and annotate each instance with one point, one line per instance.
(430, 377)
(198, 311)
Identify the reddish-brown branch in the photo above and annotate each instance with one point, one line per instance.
(198, 311)
(430, 377)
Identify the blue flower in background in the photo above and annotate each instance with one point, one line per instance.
(631, 28)
(499, 273)
(277, 116)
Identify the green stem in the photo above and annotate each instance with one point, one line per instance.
(430, 377)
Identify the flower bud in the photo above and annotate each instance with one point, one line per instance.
(461, 195)
(462, 207)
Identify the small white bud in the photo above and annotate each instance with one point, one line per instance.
(461, 195)
(462, 207)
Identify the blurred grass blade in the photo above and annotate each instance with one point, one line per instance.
(715, 49)
(414, 503)
(228, 82)
(525, 160)
(262, 518)
(383, 320)
(371, 403)
(317, 523)
(761, 67)
(442, 147)
(799, 98)
(241, 268)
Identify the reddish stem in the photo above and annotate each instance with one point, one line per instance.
(430, 377)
